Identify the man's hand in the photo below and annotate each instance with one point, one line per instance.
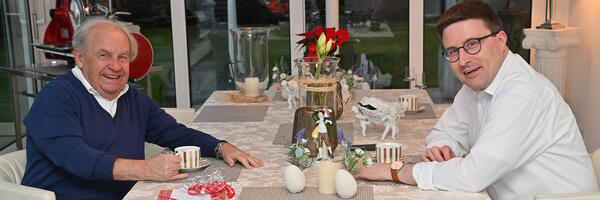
(232, 154)
(163, 167)
(439, 154)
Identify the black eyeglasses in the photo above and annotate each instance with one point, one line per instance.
(471, 46)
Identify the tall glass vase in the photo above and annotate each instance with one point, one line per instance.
(250, 60)
(318, 85)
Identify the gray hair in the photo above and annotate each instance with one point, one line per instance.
(79, 38)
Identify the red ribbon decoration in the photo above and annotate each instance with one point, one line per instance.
(215, 191)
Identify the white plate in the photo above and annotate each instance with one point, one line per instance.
(421, 109)
(203, 163)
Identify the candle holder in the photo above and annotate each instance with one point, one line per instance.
(250, 60)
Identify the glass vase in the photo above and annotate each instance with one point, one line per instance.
(250, 60)
(318, 85)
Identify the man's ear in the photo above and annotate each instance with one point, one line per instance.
(502, 38)
(78, 58)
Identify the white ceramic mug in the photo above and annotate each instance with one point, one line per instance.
(388, 152)
(409, 102)
(190, 156)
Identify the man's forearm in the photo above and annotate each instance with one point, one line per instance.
(129, 170)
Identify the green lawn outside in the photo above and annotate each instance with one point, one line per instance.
(431, 47)
(162, 44)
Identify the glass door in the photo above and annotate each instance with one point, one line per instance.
(15, 49)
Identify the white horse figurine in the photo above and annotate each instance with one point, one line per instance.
(291, 88)
(374, 110)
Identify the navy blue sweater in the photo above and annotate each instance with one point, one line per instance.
(72, 142)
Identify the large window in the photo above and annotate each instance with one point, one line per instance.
(378, 46)
(207, 26)
(154, 19)
(441, 82)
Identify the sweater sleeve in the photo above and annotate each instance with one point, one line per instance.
(53, 125)
(164, 130)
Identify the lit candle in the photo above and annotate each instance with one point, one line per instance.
(251, 86)
(327, 171)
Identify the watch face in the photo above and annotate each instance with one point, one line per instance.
(397, 165)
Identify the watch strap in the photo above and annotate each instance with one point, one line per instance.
(218, 153)
(395, 175)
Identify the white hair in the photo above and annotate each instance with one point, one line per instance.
(79, 38)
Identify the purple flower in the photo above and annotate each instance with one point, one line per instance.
(341, 138)
(300, 135)
(340, 135)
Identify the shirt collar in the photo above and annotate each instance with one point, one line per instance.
(491, 89)
(79, 75)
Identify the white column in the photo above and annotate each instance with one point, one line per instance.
(332, 15)
(551, 52)
(415, 43)
(180, 55)
(297, 25)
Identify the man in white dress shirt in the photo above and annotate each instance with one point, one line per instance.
(509, 131)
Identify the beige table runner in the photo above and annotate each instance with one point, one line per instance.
(277, 193)
(229, 113)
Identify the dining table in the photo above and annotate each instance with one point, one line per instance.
(260, 129)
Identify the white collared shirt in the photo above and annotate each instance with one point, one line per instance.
(517, 138)
(109, 105)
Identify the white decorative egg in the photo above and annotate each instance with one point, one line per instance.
(345, 184)
(293, 178)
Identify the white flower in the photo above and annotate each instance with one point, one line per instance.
(359, 152)
(368, 161)
(306, 150)
(349, 72)
(275, 69)
(274, 76)
(303, 140)
(283, 76)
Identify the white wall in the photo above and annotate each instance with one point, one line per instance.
(583, 70)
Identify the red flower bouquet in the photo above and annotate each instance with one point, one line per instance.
(311, 37)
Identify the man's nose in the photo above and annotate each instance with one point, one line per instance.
(114, 64)
(463, 56)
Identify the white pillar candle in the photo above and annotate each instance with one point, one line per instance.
(326, 176)
(251, 87)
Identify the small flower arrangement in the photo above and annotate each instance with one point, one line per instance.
(297, 154)
(352, 160)
(280, 72)
(351, 79)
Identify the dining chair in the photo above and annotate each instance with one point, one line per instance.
(12, 168)
(579, 196)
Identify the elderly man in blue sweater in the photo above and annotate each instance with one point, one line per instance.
(86, 129)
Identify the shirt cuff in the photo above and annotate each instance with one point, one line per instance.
(423, 175)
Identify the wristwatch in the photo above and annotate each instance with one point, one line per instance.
(218, 153)
(395, 169)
